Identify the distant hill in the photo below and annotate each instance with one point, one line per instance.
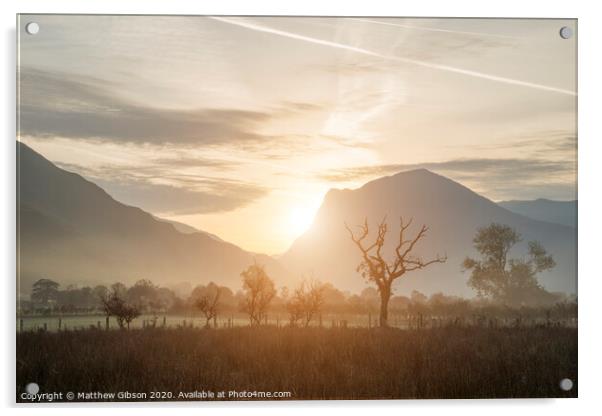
(453, 213)
(559, 212)
(71, 230)
(185, 228)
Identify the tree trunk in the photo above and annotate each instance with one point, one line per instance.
(385, 296)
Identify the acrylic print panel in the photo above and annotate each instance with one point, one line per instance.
(295, 208)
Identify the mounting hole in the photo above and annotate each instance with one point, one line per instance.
(566, 32)
(32, 28)
(566, 384)
(32, 388)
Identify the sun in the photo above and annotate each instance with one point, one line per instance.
(300, 218)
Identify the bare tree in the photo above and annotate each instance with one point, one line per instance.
(127, 314)
(306, 302)
(375, 268)
(206, 299)
(259, 291)
(113, 304)
(295, 310)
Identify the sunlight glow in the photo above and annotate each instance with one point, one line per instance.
(300, 219)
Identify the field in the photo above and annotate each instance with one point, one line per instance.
(310, 363)
(86, 321)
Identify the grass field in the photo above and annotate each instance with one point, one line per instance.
(85, 321)
(310, 363)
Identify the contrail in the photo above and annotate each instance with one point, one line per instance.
(431, 29)
(368, 52)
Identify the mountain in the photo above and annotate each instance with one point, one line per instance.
(186, 229)
(451, 211)
(72, 231)
(558, 212)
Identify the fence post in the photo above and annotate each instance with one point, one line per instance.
(215, 321)
(107, 323)
(98, 325)
(45, 327)
(21, 325)
(60, 323)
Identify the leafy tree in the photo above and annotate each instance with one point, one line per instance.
(144, 294)
(74, 298)
(259, 290)
(418, 297)
(370, 299)
(206, 299)
(306, 302)
(165, 299)
(376, 269)
(44, 292)
(509, 281)
(119, 289)
(334, 299)
(100, 292)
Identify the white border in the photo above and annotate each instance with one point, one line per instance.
(590, 209)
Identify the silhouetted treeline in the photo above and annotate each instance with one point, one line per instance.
(49, 298)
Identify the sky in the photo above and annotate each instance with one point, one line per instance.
(240, 125)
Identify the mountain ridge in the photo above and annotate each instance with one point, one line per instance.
(71, 230)
(543, 209)
(451, 210)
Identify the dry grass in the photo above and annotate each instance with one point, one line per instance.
(312, 363)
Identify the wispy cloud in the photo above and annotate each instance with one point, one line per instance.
(431, 29)
(153, 188)
(62, 105)
(178, 161)
(560, 143)
(363, 51)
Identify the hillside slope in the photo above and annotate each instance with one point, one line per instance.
(71, 230)
(451, 211)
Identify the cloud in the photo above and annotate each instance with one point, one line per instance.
(193, 162)
(415, 62)
(174, 194)
(75, 107)
(561, 143)
(431, 29)
(296, 107)
(497, 178)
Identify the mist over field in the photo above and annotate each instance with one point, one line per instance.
(295, 208)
